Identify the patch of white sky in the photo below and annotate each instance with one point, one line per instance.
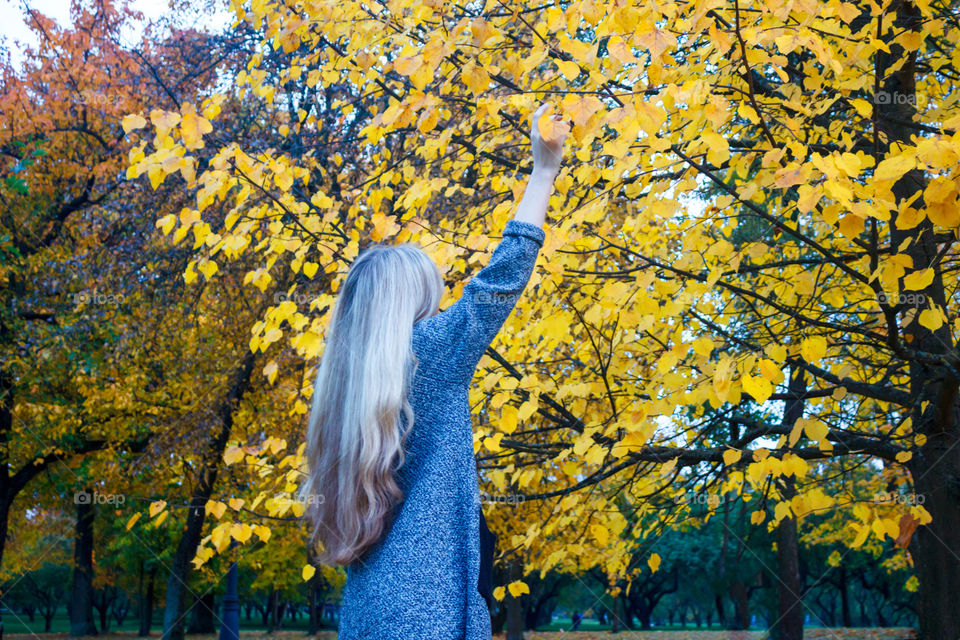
(16, 36)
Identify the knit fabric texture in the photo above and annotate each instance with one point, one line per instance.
(419, 582)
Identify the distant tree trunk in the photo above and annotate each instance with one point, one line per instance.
(313, 589)
(81, 597)
(103, 599)
(741, 605)
(721, 614)
(845, 598)
(514, 606)
(146, 604)
(644, 615)
(272, 621)
(203, 615)
(104, 618)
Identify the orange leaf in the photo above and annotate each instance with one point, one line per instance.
(908, 524)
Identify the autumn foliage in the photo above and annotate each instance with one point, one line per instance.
(747, 292)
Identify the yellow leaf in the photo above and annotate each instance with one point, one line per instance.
(133, 520)
(732, 456)
(508, 418)
(241, 532)
(600, 533)
(518, 588)
(568, 68)
(668, 467)
(132, 122)
(193, 127)
(931, 319)
(759, 388)
(166, 223)
(208, 268)
(157, 507)
(816, 429)
(757, 517)
(308, 571)
(499, 593)
(233, 454)
(904, 456)
(918, 280)
(770, 371)
(653, 562)
(893, 168)
(475, 77)
(407, 65)
(722, 377)
(718, 150)
(813, 349)
(270, 371)
(216, 508)
(164, 120)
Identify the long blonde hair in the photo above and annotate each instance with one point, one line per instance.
(355, 436)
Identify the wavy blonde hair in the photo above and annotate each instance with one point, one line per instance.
(354, 435)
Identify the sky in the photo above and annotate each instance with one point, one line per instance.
(13, 25)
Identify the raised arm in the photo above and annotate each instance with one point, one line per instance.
(468, 326)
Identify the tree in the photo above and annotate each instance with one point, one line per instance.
(654, 349)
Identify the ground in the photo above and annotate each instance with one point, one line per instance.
(814, 633)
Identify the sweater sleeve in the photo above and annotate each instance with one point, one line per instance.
(467, 327)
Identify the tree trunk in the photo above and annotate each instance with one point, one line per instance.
(272, 622)
(203, 615)
(644, 616)
(514, 606)
(845, 598)
(934, 386)
(789, 623)
(146, 605)
(933, 548)
(81, 598)
(313, 589)
(741, 605)
(173, 614)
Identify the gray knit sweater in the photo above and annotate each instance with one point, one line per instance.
(419, 582)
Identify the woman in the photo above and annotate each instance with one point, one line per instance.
(392, 487)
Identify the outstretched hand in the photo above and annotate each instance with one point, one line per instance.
(547, 134)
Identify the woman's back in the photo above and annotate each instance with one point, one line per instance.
(420, 581)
